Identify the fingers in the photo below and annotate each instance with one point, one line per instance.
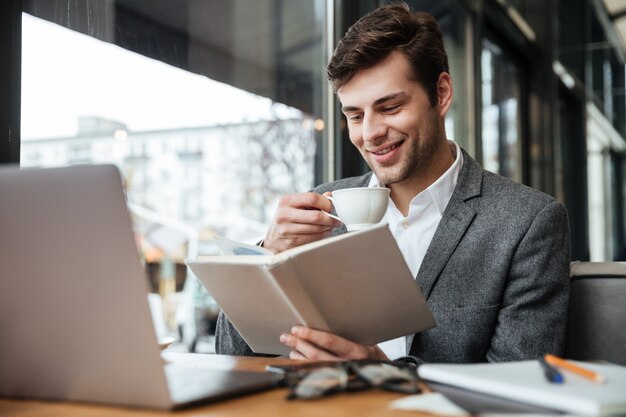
(305, 208)
(319, 345)
(303, 349)
(331, 343)
(299, 220)
(294, 354)
(311, 220)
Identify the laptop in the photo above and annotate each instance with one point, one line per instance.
(75, 323)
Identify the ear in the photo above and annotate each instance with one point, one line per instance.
(444, 93)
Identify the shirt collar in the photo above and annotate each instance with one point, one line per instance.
(441, 190)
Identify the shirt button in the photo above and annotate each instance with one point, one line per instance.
(405, 225)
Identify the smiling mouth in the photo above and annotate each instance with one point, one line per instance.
(388, 149)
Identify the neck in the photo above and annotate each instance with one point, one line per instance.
(403, 192)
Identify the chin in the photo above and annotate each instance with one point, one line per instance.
(387, 178)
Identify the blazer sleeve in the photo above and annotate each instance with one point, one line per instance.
(228, 341)
(533, 314)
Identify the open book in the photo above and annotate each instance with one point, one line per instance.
(356, 285)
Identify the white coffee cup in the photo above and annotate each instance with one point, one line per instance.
(361, 207)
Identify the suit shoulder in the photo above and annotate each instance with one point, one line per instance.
(506, 198)
(502, 188)
(351, 182)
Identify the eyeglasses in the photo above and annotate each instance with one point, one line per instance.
(310, 381)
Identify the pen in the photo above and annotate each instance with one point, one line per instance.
(551, 374)
(567, 365)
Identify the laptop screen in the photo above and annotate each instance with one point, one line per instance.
(73, 297)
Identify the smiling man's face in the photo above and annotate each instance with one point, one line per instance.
(392, 122)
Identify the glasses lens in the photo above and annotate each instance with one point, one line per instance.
(320, 382)
(389, 377)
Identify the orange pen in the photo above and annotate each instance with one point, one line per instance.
(569, 366)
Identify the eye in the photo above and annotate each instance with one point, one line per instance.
(354, 117)
(390, 109)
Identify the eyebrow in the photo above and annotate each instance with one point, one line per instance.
(378, 102)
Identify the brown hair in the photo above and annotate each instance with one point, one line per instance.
(391, 27)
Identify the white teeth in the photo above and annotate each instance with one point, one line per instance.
(386, 150)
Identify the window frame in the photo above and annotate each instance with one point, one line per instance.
(10, 80)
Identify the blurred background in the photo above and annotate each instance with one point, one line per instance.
(214, 109)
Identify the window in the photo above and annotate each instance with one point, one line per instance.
(501, 113)
(212, 110)
(453, 20)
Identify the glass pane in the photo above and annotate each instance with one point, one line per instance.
(211, 110)
(452, 19)
(500, 113)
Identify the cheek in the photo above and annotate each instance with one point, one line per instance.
(406, 122)
(414, 128)
(354, 133)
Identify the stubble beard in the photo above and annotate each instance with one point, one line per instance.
(414, 162)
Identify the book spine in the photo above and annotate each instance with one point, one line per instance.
(287, 282)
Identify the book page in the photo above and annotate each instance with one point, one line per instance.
(252, 302)
(363, 287)
(231, 259)
(232, 247)
(301, 303)
(328, 241)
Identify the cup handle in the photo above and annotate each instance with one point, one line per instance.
(332, 216)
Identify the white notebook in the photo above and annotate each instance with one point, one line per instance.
(525, 382)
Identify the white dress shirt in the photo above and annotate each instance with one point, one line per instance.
(414, 232)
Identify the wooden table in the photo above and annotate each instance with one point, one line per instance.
(269, 403)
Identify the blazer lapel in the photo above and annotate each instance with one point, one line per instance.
(456, 219)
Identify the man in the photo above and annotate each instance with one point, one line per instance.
(490, 255)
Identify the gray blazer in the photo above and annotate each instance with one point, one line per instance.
(496, 274)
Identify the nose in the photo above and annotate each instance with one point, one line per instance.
(373, 128)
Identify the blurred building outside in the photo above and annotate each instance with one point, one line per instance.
(185, 186)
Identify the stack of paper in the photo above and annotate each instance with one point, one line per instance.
(525, 382)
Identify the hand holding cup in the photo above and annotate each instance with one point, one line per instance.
(361, 207)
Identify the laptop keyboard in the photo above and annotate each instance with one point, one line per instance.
(190, 385)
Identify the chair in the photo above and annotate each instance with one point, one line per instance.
(596, 328)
